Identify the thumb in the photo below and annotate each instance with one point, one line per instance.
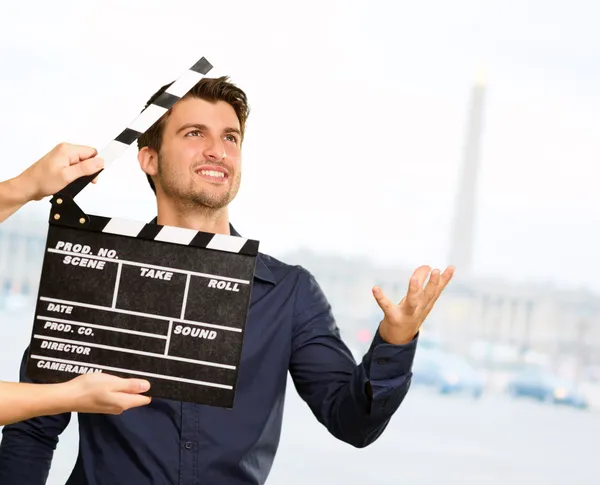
(383, 301)
(86, 167)
(129, 401)
(133, 386)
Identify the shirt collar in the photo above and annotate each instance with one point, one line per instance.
(261, 271)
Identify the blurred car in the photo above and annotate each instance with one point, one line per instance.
(447, 373)
(543, 385)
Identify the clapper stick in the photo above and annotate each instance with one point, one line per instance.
(139, 299)
(150, 115)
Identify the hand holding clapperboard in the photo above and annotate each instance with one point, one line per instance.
(138, 299)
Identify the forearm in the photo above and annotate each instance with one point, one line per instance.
(361, 409)
(354, 402)
(14, 194)
(20, 401)
(357, 420)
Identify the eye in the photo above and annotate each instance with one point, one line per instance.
(196, 132)
(231, 138)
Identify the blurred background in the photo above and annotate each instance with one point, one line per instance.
(383, 135)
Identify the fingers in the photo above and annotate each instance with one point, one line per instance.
(415, 285)
(432, 285)
(383, 301)
(421, 273)
(428, 295)
(447, 275)
(86, 167)
(418, 299)
(444, 279)
(119, 402)
(126, 394)
(76, 153)
(133, 386)
(412, 295)
(128, 401)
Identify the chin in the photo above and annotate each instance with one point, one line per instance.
(211, 201)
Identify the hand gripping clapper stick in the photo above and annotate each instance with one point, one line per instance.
(139, 299)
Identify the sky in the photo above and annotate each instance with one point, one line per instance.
(358, 115)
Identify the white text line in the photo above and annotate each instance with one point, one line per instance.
(153, 266)
(139, 314)
(131, 351)
(136, 372)
(101, 327)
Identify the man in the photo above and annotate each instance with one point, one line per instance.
(89, 393)
(192, 158)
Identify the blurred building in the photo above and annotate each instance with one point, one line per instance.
(22, 244)
(492, 320)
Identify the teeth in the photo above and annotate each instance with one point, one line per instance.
(212, 173)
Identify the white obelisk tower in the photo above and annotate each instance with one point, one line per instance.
(463, 227)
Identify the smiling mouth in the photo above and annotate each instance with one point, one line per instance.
(213, 174)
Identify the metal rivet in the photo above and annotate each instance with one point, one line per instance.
(82, 220)
(57, 216)
(59, 201)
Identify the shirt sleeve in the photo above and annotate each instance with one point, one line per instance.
(353, 401)
(27, 447)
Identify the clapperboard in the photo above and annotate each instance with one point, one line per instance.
(138, 299)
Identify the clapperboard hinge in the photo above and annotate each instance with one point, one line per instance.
(66, 212)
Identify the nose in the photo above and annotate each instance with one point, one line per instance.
(214, 150)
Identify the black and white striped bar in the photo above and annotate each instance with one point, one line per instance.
(138, 299)
(178, 235)
(149, 115)
(153, 112)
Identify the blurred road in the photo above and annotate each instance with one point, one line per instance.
(438, 440)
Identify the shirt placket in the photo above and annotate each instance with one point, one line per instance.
(188, 469)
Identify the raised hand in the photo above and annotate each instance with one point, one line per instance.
(402, 321)
(58, 168)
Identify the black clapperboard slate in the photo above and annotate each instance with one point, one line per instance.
(137, 299)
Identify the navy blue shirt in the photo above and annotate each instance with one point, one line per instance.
(290, 328)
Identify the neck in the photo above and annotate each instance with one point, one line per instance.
(215, 221)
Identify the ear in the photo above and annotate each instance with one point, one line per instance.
(148, 160)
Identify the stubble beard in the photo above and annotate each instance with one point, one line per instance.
(193, 199)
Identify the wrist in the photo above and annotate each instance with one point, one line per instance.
(19, 190)
(26, 188)
(42, 399)
(58, 398)
(393, 336)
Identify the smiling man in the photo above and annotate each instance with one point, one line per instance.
(192, 158)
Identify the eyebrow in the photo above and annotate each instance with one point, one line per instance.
(200, 126)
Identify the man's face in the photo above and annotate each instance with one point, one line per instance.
(199, 163)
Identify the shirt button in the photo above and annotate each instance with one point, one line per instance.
(188, 445)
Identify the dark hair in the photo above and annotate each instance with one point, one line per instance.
(208, 89)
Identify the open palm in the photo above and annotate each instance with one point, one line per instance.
(402, 321)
